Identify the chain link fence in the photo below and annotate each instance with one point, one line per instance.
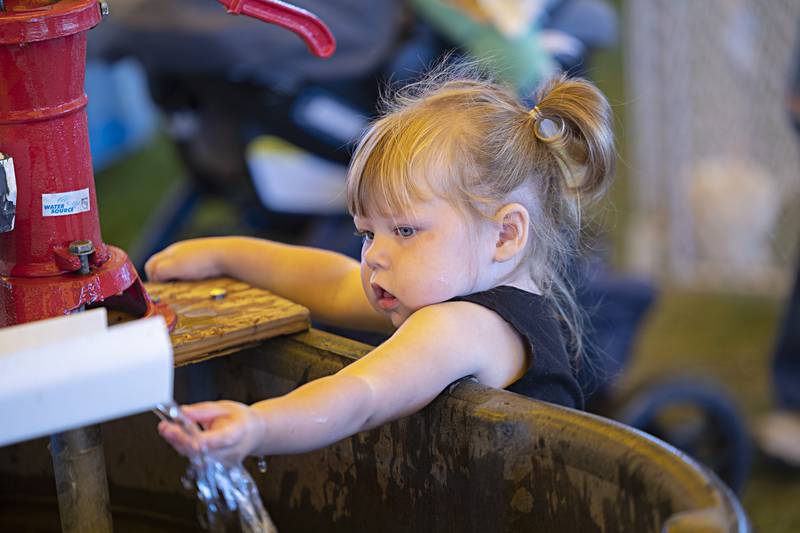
(714, 161)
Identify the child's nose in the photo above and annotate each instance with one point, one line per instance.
(376, 255)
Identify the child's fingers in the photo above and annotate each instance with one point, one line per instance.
(229, 456)
(149, 268)
(167, 268)
(206, 412)
(177, 438)
(225, 432)
(152, 267)
(222, 436)
(225, 427)
(225, 445)
(222, 442)
(161, 270)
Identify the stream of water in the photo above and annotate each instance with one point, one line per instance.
(223, 491)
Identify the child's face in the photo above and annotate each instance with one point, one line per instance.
(411, 260)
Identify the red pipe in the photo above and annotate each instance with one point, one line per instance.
(43, 128)
(311, 29)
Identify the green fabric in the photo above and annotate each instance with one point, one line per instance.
(521, 60)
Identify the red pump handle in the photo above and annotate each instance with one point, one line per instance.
(311, 29)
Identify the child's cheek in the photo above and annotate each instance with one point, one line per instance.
(442, 282)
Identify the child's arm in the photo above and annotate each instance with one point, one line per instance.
(328, 283)
(436, 346)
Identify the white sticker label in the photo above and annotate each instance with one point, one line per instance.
(8, 194)
(65, 203)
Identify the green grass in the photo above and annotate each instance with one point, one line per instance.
(128, 192)
(728, 338)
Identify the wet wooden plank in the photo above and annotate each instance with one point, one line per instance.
(210, 327)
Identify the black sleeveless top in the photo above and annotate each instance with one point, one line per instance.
(550, 377)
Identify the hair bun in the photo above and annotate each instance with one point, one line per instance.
(574, 114)
(549, 130)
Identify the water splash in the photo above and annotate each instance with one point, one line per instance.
(223, 490)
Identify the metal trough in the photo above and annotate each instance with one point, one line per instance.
(477, 459)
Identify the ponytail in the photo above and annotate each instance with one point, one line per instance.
(573, 118)
(572, 122)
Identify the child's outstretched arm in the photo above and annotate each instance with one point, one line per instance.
(328, 283)
(434, 347)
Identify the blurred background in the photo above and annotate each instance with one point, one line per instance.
(204, 124)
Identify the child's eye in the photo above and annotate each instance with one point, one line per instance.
(365, 235)
(405, 231)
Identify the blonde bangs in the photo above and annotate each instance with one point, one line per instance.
(393, 165)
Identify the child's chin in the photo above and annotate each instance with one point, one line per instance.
(397, 318)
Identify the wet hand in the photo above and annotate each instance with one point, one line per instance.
(190, 260)
(232, 431)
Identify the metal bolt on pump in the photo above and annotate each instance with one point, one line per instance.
(83, 249)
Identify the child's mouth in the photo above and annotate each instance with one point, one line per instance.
(386, 300)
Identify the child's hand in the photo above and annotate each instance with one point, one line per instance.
(192, 259)
(232, 430)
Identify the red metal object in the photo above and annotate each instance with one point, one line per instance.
(312, 30)
(43, 127)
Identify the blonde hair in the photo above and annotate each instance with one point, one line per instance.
(471, 141)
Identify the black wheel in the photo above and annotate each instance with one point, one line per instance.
(699, 419)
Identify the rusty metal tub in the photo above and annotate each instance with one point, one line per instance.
(477, 459)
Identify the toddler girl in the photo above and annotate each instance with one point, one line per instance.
(468, 205)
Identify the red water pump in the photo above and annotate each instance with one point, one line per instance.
(53, 260)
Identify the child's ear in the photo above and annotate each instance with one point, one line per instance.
(512, 222)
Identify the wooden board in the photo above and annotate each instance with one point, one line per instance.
(209, 327)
